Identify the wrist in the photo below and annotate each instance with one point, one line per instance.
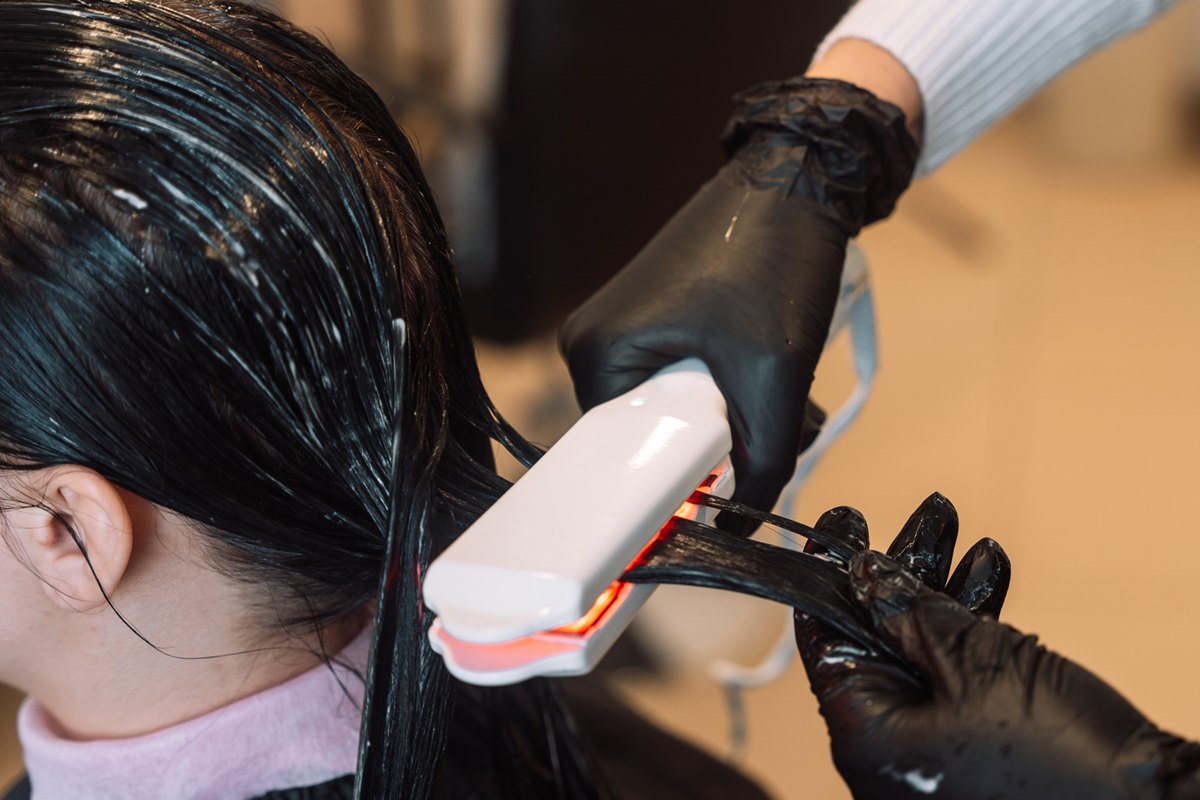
(874, 69)
(828, 142)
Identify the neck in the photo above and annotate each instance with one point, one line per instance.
(131, 689)
(301, 733)
(207, 639)
(209, 647)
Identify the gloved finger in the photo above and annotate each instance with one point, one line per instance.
(846, 524)
(760, 477)
(602, 370)
(810, 429)
(602, 363)
(850, 681)
(923, 626)
(739, 525)
(766, 399)
(828, 656)
(980, 582)
(926, 542)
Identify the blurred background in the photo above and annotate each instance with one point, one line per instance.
(1037, 303)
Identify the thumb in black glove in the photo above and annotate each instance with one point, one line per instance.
(977, 710)
(745, 276)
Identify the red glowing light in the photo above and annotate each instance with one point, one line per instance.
(613, 594)
(588, 620)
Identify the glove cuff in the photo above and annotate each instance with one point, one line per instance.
(827, 141)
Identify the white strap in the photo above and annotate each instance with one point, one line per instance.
(859, 319)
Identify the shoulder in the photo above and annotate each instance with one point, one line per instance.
(337, 789)
(19, 790)
(641, 760)
(637, 759)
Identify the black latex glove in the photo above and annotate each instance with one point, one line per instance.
(979, 711)
(745, 276)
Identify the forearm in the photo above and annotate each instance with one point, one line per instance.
(972, 62)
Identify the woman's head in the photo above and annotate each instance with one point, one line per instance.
(207, 228)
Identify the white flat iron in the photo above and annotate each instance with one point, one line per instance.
(533, 587)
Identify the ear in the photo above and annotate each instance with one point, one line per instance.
(78, 501)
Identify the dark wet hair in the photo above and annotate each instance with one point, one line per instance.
(210, 230)
(208, 226)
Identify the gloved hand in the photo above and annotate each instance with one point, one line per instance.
(745, 276)
(978, 711)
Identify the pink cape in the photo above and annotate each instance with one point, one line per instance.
(300, 733)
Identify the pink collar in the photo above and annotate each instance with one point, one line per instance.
(301, 733)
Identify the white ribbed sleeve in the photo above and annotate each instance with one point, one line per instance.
(976, 60)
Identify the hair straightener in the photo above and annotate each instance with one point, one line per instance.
(534, 587)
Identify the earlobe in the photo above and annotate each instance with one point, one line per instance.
(82, 538)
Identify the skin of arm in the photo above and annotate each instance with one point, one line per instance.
(872, 68)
